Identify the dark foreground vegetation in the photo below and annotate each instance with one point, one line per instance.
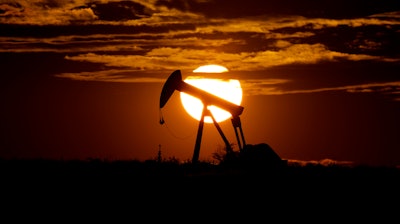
(255, 163)
(153, 169)
(153, 184)
(255, 182)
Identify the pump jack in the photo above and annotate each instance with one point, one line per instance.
(174, 82)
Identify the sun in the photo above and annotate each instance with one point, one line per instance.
(228, 89)
(211, 69)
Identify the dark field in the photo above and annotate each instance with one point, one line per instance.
(129, 170)
(66, 187)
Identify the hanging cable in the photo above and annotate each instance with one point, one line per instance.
(162, 122)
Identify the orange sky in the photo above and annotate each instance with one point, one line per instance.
(83, 78)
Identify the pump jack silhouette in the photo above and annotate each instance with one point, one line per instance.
(250, 155)
(174, 82)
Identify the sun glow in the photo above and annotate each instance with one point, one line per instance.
(228, 89)
(211, 69)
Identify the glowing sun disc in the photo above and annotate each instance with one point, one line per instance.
(229, 90)
(210, 69)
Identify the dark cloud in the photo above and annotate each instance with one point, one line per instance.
(308, 8)
(121, 11)
(11, 9)
(12, 30)
(371, 39)
(334, 74)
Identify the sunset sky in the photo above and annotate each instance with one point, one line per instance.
(82, 79)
